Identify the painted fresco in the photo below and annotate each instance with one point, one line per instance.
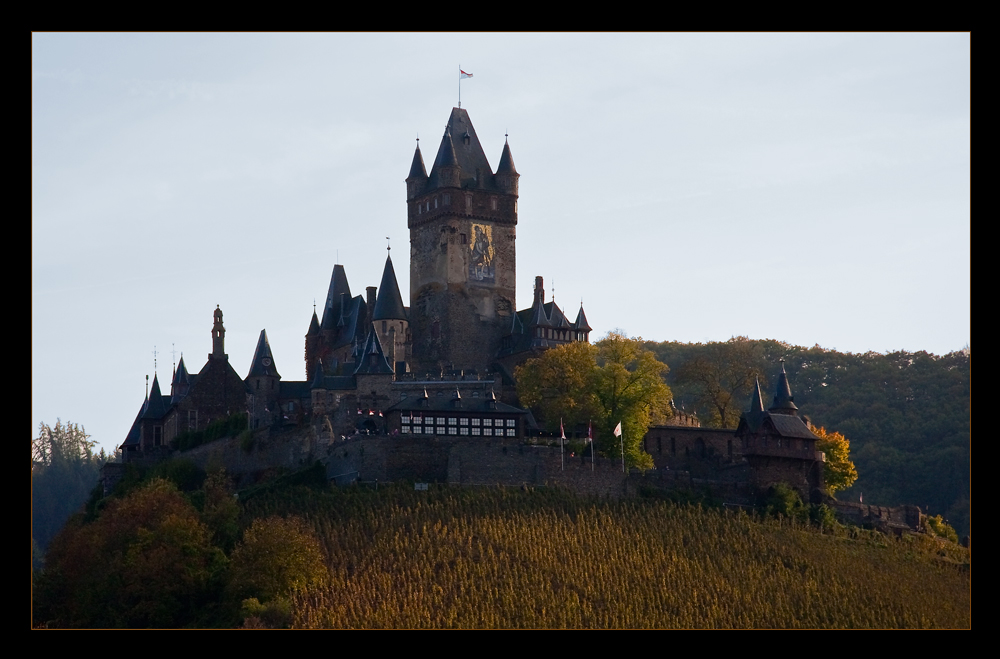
(481, 267)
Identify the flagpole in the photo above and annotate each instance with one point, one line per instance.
(562, 455)
(460, 86)
(621, 435)
(590, 438)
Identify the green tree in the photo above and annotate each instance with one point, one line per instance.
(615, 381)
(560, 384)
(631, 391)
(838, 470)
(276, 556)
(722, 376)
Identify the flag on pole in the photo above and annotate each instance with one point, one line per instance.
(465, 75)
(618, 429)
(562, 432)
(590, 432)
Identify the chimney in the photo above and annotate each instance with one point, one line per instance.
(539, 292)
(371, 307)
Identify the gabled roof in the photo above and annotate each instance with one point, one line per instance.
(338, 285)
(556, 317)
(389, 303)
(263, 360)
(372, 359)
(352, 326)
(787, 425)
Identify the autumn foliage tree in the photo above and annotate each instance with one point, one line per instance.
(838, 470)
(147, 561)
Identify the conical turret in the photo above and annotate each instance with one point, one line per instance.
(446, 172)
(389, 303)
(263, 360)
(506, 175)
(784, 402)
(417, 179)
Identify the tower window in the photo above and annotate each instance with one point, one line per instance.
(493, 203)
(435, 202)
(383, 327)
(447, 199)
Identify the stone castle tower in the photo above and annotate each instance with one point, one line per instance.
(462, 220)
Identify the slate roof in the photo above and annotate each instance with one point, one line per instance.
(389, 303)
(417, 169)
(442, 404)
(468, 157)
(372, 359)
(132, 438)
(157, 404)
(263, 360)
(506, 165)
(332, 308)
(294, 390)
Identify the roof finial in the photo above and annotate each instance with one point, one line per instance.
(173, 355)
(154, 360)
(387, 247)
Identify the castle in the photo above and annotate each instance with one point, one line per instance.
(371, 357)
(441, 369)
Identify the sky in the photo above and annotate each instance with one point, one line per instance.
(810, 188)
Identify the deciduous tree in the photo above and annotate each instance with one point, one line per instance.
(723, 376)
(838, 470)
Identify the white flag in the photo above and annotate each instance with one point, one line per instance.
(618, 429)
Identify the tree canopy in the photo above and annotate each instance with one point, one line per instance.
(615, 381)
(722, 376)
(64, 470)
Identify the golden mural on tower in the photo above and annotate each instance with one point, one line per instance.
(481, 267)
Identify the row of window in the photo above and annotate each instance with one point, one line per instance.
(474, 431)
(425, 206)
(459, 421)
(559, 335)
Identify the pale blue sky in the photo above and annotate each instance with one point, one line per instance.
(810, 188)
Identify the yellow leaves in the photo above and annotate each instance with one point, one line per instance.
(838, 471)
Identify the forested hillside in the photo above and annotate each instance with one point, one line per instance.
(907, 415)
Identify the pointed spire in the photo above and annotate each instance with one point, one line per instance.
(155, 406)
(756, 400)
(332, 308)
(581, 320)
(506, 165)
(417, 170)
(313, 325)
(263, 360)
(389, 303)
(446, 156)
(783, 399)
